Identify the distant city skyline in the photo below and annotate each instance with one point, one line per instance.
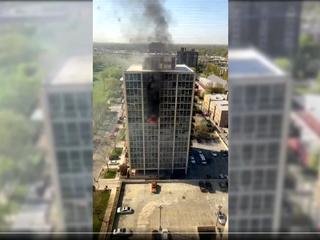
(197, 22)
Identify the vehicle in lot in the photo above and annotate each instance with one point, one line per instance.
(203, 159)
(202, 187)
(192, 160)
(113, 162)
(214, 154)
(122, 232)
(204, 162)
(156, 235)
(208, 186)
(222, 176)
(154, 186)
(164, 234)
(224, 153)
(222, 218)
(124, 210)
(224, 185)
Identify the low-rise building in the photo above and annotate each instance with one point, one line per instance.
(220, 116)
(211, 81)
(216, 107)
(208, 102)
(190, 58)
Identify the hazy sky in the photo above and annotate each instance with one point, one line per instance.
(192, 21)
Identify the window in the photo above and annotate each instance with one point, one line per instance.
(62, 160)
(69, 105)
(73, 134)
(59, 134)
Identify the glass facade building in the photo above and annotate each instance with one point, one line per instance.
(67, 99)
(259, 109)
(159, 111)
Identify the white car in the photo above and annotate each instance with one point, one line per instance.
(214, 154)
(164, 234)
(222, 218)
(124, 210)
(192, 160)
(113, 162)
(221, 176)
(204, 162)
(122, 232)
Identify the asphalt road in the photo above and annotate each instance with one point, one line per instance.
(214, 167)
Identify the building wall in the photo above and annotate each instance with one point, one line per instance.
(272, 26)
(162, 144)
(69, 122)
(257, 146)
(190, 58)
(220, 116)
(206, 102)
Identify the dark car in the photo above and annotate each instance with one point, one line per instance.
(202, 187)
(224, 153)
(209, 186)
(224, 185)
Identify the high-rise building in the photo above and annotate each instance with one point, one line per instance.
(159, 103)
(188, 57)
(259, 109)
(271, 26)
(67, 102)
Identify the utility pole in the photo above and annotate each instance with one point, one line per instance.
(160, 207)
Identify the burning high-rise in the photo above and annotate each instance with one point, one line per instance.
(159, 102)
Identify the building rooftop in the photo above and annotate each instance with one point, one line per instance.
(224, 107)
(76, 70)
(250, 62)
(217, 97)
(180, 68)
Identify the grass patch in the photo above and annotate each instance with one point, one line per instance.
(115, 154)
(111, 173)
(100, 203)
(121, 135)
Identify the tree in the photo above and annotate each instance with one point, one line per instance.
(218, 88)
(201, 129)
(123, 169)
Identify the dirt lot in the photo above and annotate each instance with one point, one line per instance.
(184, 207)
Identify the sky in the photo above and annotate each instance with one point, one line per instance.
(192, 21)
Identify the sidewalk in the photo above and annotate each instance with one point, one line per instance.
(106, 219)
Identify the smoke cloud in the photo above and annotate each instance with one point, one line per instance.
(158, 16)
(148, 22)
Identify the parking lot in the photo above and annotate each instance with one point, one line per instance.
(215, 166)
(184, 208)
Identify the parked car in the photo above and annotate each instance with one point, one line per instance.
(202, 187)
(214, 154)
(222, 218)
(203, 159)
(192, 160)
(124, 210)
(222, 176)
(122, 232)
(224, 185)
(165, 234)
(208, 186)
(113, 162)
(224, 153)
